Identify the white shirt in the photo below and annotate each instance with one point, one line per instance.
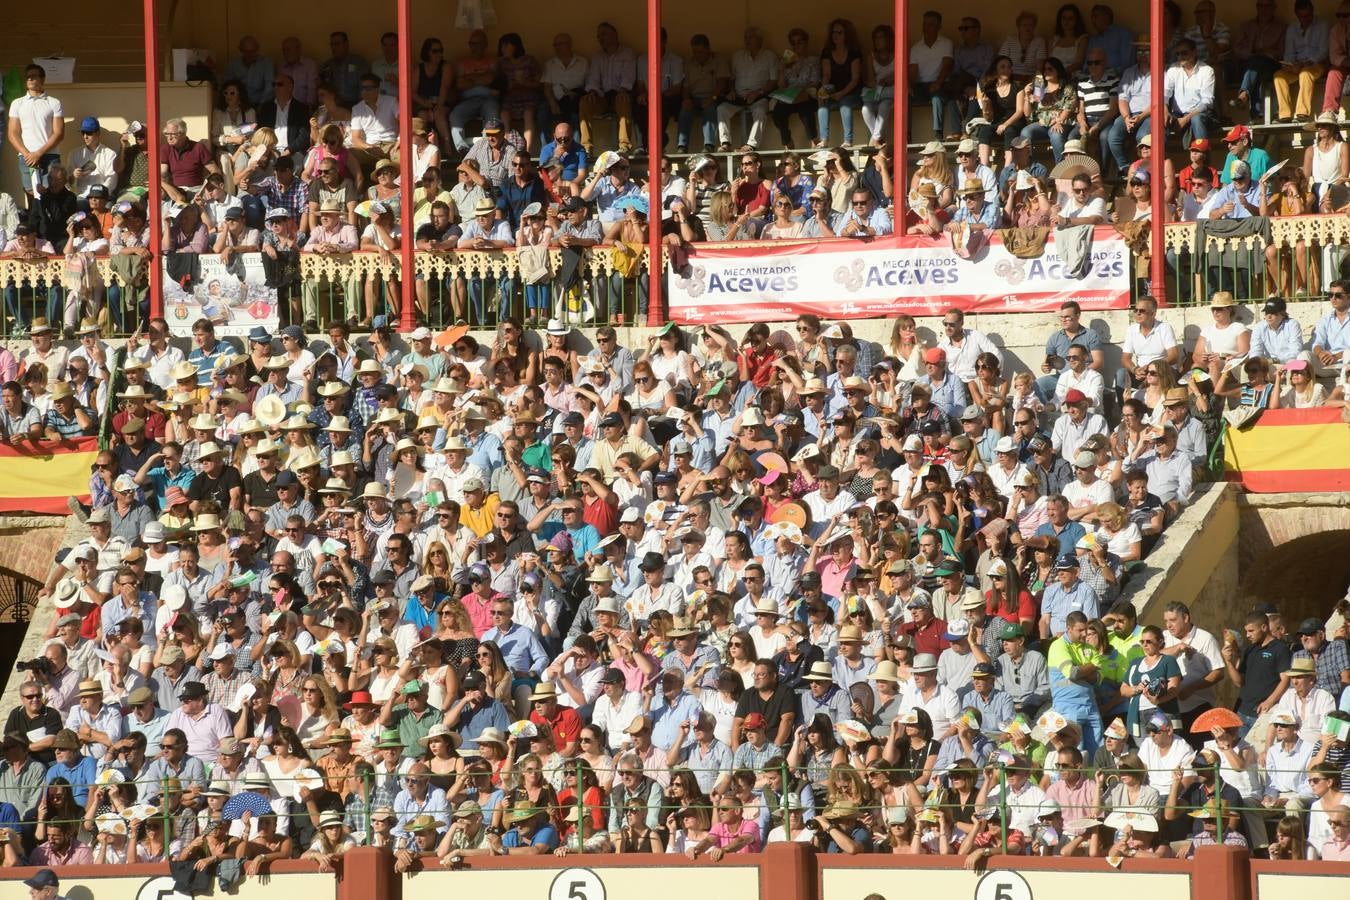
(754, 73)
(767, 643)
(159, 365)
(1195, 666)
(1162, 765)
(378, 125)
(961, 360)
(1094, 207)
(1146, 348)
(929, 59)
(1309, 711)
(1223, 341)
(1090, 383)
(279, 129)
(1193, 91)
(942, 707)
(565, 77)
(99, 161)
(1066, 437)
(614, 719)
(644, 601)
(35, 115)
(1080, 495)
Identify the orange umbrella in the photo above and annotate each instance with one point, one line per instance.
(1210, 719)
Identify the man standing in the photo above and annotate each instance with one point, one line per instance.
(36, 127)
(253, 70)
(963, 346)
(1202, 666)
(343, 70)
(930, 65)
(1256, 670)
(1074, 669)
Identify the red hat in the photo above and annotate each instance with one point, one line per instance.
(1074, 396)
(1237, 133)
(1202, 144)
(359, 698)
(174, 496)
(935, 355)
(754, 721)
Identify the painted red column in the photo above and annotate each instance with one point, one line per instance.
(900, 117)
(1158, 130)
(154, 220)
(405, 164)
(655, 138)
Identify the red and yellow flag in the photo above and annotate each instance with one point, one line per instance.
(1303, 450)
(42, 477)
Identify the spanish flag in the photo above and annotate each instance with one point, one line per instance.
(42, 477)
(1285, 450)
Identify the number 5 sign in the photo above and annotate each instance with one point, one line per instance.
(1000, 884)
(580, 884)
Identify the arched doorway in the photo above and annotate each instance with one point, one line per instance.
(18, 598)
(1303, 577)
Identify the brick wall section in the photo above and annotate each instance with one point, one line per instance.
(28, 544)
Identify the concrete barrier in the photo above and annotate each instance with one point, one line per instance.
(782, 872)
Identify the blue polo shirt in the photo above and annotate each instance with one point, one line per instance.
(573, 159)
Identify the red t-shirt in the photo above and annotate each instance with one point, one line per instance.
(601, 516)
(751, 196)
(187, 168)
(927, 639)
(566, 725)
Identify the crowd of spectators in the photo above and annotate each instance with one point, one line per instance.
(692, 596)
(1051, 128)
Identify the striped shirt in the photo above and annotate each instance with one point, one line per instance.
(1098, 96)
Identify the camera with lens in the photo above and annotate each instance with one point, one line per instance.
(40, 665)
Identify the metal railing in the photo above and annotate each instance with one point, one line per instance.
(1304, 255)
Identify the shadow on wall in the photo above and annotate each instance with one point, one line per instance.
(1305, 577)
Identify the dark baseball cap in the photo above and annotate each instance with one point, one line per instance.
(612, 676)
(1311, 626)
(285, 478)
(42, 878)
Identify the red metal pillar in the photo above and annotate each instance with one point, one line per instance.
(655, 139)
(1158, 131)
(407, 187)
(900, 117)
(153, 198)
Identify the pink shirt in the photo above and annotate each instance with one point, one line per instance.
(1076, 803)
(480, 614)
(1336, 852)
(724, 836)
(76, 854)
(203, 733)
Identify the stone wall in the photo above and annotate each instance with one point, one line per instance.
(1293, 551)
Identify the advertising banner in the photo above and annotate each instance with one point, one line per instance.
(234, 296)
(841, 279)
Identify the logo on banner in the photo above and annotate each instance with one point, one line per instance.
(1012, 271)
(851, 276)
(695, 283)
